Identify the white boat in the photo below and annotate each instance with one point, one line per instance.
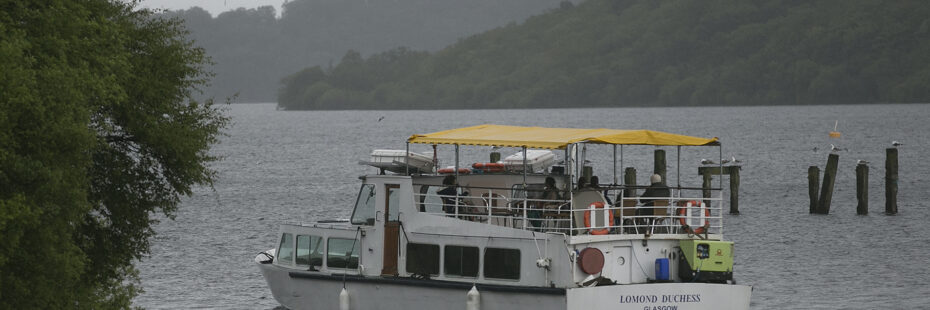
(399, 161)
(496, 243)
(536, 160)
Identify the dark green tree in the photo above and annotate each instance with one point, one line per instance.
(98, 134)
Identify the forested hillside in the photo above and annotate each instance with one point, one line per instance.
(253, 50)
(650, 53)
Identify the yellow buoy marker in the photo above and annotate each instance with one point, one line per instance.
(834, 133)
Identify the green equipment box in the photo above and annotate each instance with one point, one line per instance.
(706, 261)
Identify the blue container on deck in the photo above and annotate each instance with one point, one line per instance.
(661, 269)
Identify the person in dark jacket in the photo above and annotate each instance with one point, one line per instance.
(448, 194)
(656, 191)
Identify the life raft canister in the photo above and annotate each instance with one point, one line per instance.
(588, 220)
(683, 213)
(489, 167)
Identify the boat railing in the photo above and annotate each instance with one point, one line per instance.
(685, 211)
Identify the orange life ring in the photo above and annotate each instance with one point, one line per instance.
(587, 219)
(452, 170)
(683, 213)
(489, 167)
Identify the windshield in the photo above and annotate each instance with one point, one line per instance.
(364, 213)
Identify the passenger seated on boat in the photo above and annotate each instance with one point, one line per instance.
(448, 194)
(596, 185)
(549, 192)
(657, 189)
(581, 183)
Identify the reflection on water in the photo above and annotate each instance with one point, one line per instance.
(281, 166)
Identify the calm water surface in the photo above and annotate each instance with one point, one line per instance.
(281, 166)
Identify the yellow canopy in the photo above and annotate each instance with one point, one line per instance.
(552, 138)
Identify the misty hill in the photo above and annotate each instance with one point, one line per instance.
(253, 49)
(650, 53)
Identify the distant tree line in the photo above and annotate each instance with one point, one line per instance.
(253, 49)
(605, 53)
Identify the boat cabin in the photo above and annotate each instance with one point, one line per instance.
(532, 220)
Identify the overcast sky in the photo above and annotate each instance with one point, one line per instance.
(215, 7)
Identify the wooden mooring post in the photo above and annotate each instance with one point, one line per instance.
(813, 180)
(734, 190)
(586, 173)
(659, 165)
(705, 185)
(629, 178)
(891, 181)
(862, 189)
(733, 172)
(495, 157)
(829, 178)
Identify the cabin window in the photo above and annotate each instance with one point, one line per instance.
(461, 261)
(309, 251)
(502, 263)
(364, 213)
(286, 249)
(393, 202)
(423, 259)
(342, 253)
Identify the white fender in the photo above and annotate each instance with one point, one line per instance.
(344, 299)
(474, 299)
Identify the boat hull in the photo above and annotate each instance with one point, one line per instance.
(297, 289)
(661, 296)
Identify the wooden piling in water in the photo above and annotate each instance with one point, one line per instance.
(629, 178)
(813, 180)
(495, 157)
(586, 173)
(862, 189)
(733, 171)
(659, 164)
(734, 190)
(891, 181)
(829, 178)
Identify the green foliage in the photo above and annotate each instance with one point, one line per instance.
(356, 83)
(97, 134)
(642, 52)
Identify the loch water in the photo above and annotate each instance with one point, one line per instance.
(303, 165)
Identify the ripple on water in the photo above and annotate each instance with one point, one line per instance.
(281, 166)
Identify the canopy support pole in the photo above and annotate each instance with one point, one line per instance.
(571, 187)
(582, 160)
(678, 167)
(720, 166)
(615, 164)
(407, 160)
(456, 173)
(621, 158)
(526, 192)
(569, 166)
(720, 180)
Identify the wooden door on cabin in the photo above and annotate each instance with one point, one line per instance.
(391, 229)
